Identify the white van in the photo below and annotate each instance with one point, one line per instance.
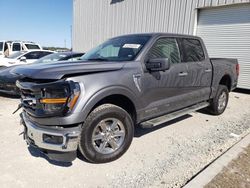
(9, 47)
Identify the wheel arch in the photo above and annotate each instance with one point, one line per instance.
(227, 81)
(121, 97)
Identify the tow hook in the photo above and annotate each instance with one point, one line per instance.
(67, 140)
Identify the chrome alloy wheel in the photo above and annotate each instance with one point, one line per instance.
(222, 101)
(108, 135)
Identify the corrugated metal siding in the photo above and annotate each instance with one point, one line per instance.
(96, 20)
(226, 33)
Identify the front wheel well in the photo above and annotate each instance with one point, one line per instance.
(121, 101)
(226, 80)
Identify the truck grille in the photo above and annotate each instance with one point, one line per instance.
(29, 99)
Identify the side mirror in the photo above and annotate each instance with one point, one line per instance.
(23, 59)
(158, 64)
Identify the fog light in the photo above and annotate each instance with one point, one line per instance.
(52, 139)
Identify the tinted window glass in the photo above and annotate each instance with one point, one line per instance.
(42, 54)
(32, 46)
(32, 55)
(192, 50)
(165, 48)
(1, 46)
(16, 47)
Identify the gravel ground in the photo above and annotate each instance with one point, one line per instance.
(235, 174)
(166, 156)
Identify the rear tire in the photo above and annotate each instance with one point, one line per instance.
(106, 134)
(219, 102)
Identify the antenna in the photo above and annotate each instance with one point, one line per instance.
(71, 37)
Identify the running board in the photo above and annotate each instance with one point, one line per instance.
(162, 119)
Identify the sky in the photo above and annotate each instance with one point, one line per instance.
(47, 22)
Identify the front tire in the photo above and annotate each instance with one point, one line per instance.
(106, 134)
(219, 102)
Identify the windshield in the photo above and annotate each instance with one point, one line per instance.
(51, 57)
(32, 46)
(1, 46)
(123, 48)
(16, 54)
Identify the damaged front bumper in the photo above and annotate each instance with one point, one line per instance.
(58, 143)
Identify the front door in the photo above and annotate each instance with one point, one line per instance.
(164, 91)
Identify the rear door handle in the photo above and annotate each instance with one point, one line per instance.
(183, 74)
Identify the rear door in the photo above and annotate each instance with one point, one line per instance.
(199, 69)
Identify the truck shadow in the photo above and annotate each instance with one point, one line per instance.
(37, 153)
(243, 91)
(139, 131)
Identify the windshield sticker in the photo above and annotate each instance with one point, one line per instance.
(136, 46)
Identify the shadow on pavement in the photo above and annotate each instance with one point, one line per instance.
(244, 91)
(141, 131)
(9, 96)
(81, 157)
(37, 153)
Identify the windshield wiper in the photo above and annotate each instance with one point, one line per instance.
(97, 59)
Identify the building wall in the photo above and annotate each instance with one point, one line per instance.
(97, 20)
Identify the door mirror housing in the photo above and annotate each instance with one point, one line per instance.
(23, 59)
(158, 64)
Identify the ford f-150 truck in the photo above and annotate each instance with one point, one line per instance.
(93, 105)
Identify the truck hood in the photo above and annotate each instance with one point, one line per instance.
(58, 70)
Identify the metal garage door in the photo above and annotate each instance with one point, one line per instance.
(226, 32)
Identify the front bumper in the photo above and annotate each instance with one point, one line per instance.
(34, 136)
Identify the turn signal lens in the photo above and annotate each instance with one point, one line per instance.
(53, 101)
(74, 100)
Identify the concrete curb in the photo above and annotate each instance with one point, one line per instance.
(205, 176)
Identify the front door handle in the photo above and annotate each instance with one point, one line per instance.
(208, 70)
(183, 74)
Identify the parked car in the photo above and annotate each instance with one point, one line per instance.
(139, 79)
(9, 47)
(23, 57)
(8, 80)
(61, 56)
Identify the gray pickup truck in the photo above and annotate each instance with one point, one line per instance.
(94, 104)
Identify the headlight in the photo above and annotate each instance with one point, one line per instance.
(61, 99)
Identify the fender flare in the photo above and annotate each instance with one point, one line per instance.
(105, 92)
